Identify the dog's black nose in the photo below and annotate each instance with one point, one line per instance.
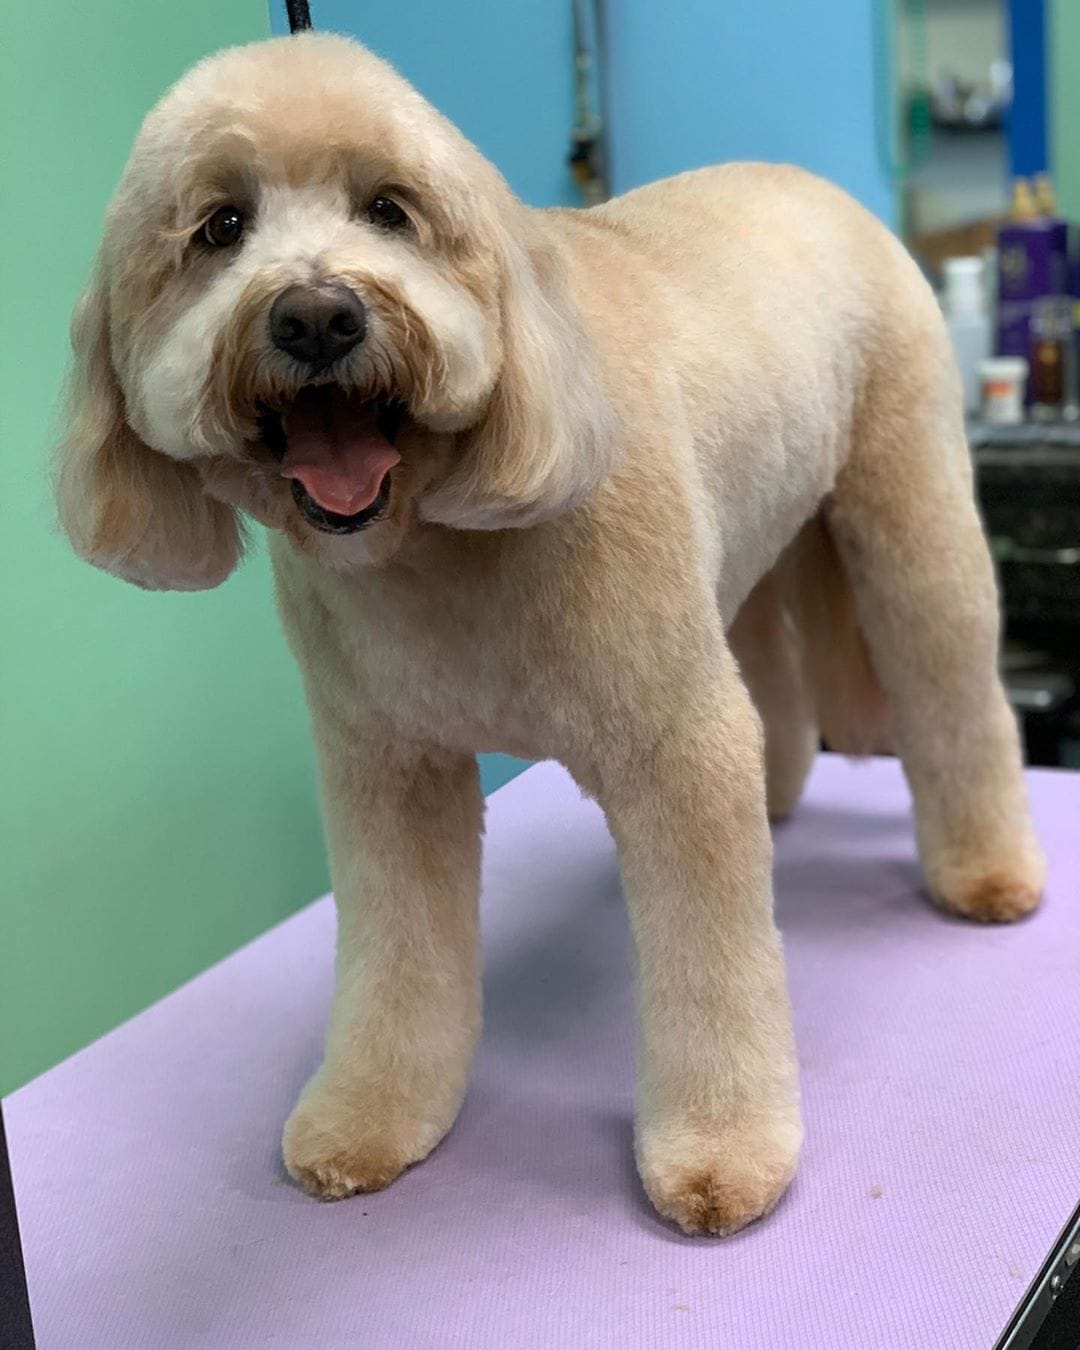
(317, 324)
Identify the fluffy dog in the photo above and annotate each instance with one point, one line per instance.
(661, 490)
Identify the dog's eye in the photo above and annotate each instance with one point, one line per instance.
(386, 213)
(224, 228)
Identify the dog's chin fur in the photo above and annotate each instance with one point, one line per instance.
(683, 485)
(250, 481)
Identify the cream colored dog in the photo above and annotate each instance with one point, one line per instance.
(583, 485)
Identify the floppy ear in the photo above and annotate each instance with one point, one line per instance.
(127, 508)
(548, 434)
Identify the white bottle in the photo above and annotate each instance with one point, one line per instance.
(968, 316)
(1003, 380)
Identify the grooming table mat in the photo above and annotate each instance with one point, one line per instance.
(941, 1080)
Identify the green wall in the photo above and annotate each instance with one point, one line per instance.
(1064, 78)
(157, 804)
(157, 792)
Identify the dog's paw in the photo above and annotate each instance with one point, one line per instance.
(997, 897)
(997, 893)
(337, 1144)
(719, 1185)
(333, 1175)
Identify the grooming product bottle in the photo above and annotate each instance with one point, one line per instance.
(1043, 192)
(1033, 262)
(1053, 359)
(1002, 380)
(968, 318)
(1023, 205)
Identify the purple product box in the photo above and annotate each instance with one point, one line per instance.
(1074, 280)
(1033, 261)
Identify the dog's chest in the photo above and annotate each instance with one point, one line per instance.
(452, 673)
(448, 657)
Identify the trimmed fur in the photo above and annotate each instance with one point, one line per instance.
(684, 484)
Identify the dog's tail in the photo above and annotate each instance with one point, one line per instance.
(852, 710)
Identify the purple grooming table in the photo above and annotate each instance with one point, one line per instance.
(941, 1074)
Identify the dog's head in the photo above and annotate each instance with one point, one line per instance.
(317, 303)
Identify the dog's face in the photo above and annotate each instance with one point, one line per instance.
(316, 302)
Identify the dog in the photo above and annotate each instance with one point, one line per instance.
(667, 490)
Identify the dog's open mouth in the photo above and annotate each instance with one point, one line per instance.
(338, 449)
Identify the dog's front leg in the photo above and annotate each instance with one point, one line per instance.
(404, 825)
(718, 1127)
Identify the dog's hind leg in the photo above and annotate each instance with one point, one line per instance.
(768, 645)
(904, 519)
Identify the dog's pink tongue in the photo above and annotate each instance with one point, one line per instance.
(335, 448)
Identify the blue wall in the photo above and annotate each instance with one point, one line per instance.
(690, 83)
(698, 81)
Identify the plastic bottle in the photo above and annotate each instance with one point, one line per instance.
(968, 317)
(1054, 382)
(1043, 192)
(1023, 205)
(1002, 380)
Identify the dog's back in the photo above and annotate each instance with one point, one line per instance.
(775, 315)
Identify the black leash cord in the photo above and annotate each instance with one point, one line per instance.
(299, 12)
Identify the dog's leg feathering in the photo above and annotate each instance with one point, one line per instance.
(403, 826)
